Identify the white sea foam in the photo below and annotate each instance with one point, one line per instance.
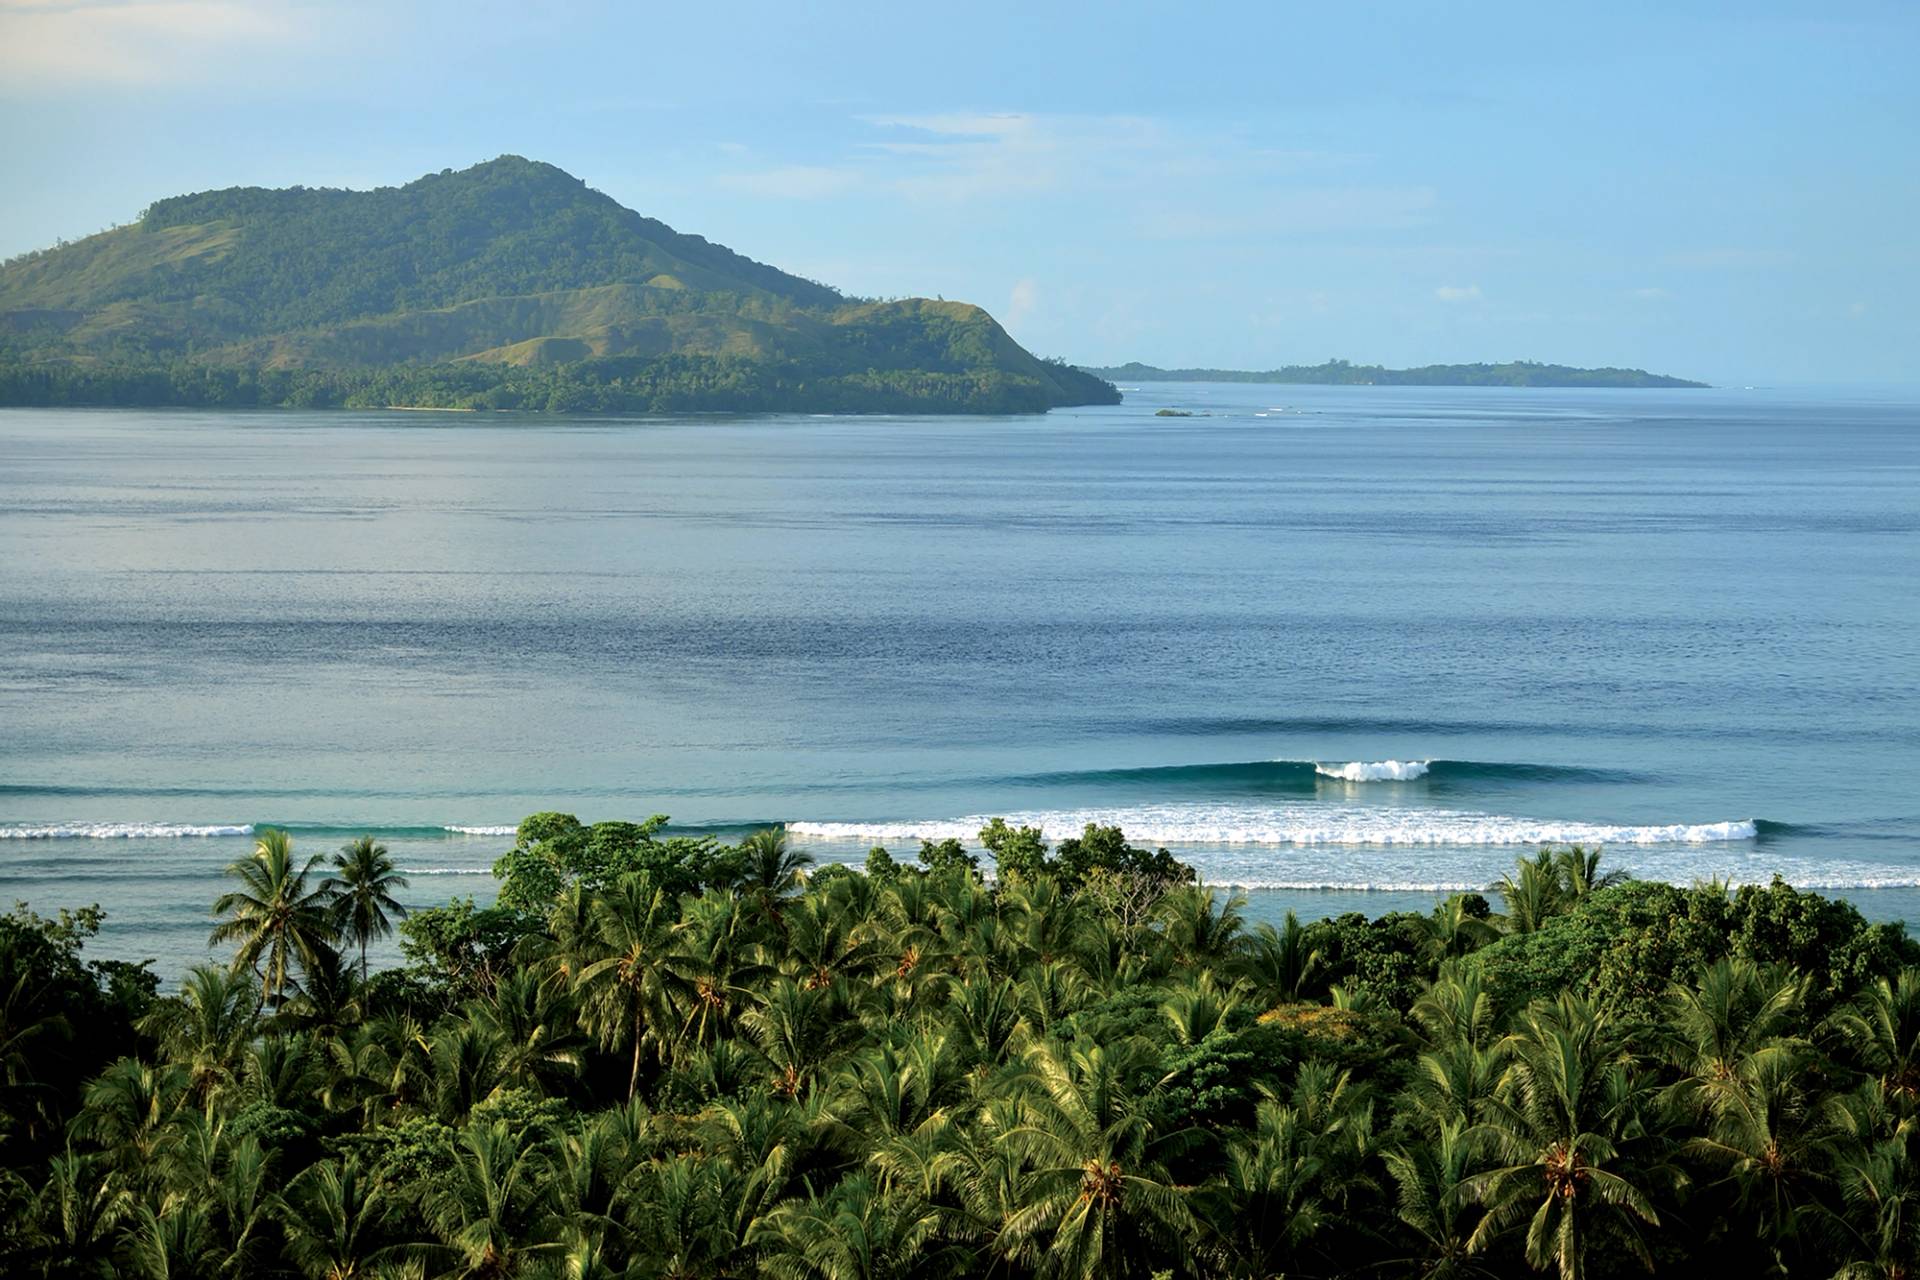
(119, 831)
(482, 831)
(446, 871)
(1298, 824)
(1374, 770)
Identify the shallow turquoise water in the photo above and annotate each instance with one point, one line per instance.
(1680, 624)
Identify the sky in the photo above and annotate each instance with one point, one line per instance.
(1728, 192)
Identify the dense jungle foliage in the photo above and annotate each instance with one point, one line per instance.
(663, 1056)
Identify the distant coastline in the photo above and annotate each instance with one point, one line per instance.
(1513, 373)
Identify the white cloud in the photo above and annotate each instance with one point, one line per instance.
(1459, 293)
(135, 41)
(1022, 301)
(1653, 294)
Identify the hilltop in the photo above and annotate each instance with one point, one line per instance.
(511, 284)
(1514, 373)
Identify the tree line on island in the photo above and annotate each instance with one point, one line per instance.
(615, 384)
(662, 1056)
(1343, 373)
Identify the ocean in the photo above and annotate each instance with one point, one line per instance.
(1350, 648)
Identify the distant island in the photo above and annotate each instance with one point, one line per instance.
(1339, 373)
(509, 285)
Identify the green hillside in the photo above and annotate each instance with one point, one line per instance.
(1513, 373)
(507, 285)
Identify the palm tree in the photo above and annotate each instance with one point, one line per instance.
(707, 968)
(1555, 1127)
(1201, 925)
(985, 1018)
(538, 1031)
(491, 1212)
(29, 1017)
(1048, 922)
(769, 870)
(762, 1142)
(1580, 874)
(332, 1213)
(1879, 1207)
(618, 972)
(799, 1030)
(175, 1241)
(1196, 1010)
(466, 1064)
(1049, 992)
(1268, 1204)
(899, 1103)
(1455, 1077)
(1882, 1032)
(680, 1210)
(360, 893)
(1454, 930)
(80, 1210)
(825, 940)
(1428, 1177)
(588, 1167)
(1095, 1181)
(274, 916)
(1280, 963)
(1730, 1026)
(857, 1232)
(127, 1109)
(207, 1026)
(329, 999)
(1532, 892)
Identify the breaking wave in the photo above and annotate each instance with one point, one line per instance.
(121, 831)
(1374, 771)
(185, 830)
(1299, 824)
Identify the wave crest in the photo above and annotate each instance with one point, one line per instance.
(121, 831)
(482, 831)
(1374, 770)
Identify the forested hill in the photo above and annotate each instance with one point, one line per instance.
(507, 285)
(1514, 373)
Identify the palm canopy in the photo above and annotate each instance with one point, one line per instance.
(1556, 1129)
(1095, 1180)
(274, 915)
(360, 893)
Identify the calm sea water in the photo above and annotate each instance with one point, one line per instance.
(1683, 625)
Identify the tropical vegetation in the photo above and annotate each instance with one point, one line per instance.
(659, 1055)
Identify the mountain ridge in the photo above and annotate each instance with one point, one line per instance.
(509, 284)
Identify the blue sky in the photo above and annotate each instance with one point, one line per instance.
(1725, 191)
